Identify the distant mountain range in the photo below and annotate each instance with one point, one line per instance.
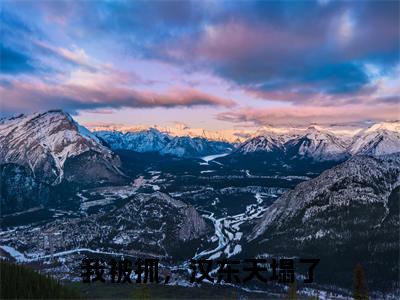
(152, 140)
(314, 143)
(234, 135)
(50, 143)
(320, 145)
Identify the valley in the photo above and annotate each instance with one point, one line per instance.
(271, 196)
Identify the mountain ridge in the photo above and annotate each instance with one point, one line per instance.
(153, 140)
(379, 139)
(44, 142)
(348, 213)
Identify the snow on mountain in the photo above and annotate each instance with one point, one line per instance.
(379, 139)
(317, 144)
(340, 216)
(312, 143)
(235, 136)
(152, 140)
(44, 142)
(266, 143)
(194, 147)
(180, 130)
(320, 144)
(362, 179)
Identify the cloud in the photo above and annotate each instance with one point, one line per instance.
(68, 78)
(346, 28)
(370, 86)
(28, 96)
(308, 54)
(76, 57)
(324, 53)
(300, 116)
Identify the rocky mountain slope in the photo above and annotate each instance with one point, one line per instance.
(39, 152)
(266, 143)
(379, 139)
(347, 215)
(53, 146)
(318, 145)
(152, 140)
(321, 145)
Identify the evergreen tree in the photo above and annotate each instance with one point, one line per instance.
(17, 281)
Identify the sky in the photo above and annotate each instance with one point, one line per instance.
(206, 64)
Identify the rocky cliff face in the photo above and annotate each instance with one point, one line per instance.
(45, 143)
(193, 225)
(347, 215)
(40, 151)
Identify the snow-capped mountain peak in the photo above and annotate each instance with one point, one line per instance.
(379, 139)
(388, 126)
(317, 144)
(313, 142)
(152, 140)
(264, 143)
(44, 141)
(320, 144)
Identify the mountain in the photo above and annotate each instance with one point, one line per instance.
(195, 147)
(348, 214)
(379, 139)
(300, 153)
(152, 140)
(40, 151)
(266, 143)
(234, 135)
(179, 129)
(318, 145)
(313, 143)
(54, 147)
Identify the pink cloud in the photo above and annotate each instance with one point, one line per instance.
(29, 96)
(305, 115)
(237, 40)
(303, 94)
